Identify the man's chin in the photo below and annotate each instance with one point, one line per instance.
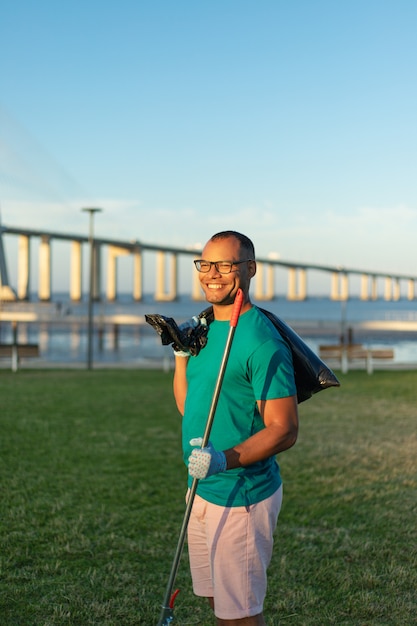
(217, 298)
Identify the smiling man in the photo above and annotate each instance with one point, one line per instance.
(239, 494)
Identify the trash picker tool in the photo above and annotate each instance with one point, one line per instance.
(167, 612)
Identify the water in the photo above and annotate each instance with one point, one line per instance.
(62, 327)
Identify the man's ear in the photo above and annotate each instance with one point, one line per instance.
(252, 269)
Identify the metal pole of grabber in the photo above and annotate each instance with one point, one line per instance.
(167, 611)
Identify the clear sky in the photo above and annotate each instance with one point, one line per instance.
(293, 121)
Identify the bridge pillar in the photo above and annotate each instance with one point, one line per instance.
(23, 268)
(113, 253)
(44, 291)
(6, 292)
(392, 288)
(411, 290)
(340, 286)
(368, 287)
(137, 274)
(263, 292)
(374, 288)
(396, 289)
(161, 293)
(297, 284)
(76, 271)
(364, 287)
(388, 288)
(197, 292)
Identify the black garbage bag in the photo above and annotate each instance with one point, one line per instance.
(310, 372)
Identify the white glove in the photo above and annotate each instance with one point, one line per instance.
(204, 462)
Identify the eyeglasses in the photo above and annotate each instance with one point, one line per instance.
(223, 267)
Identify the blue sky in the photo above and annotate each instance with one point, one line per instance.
(292, 121)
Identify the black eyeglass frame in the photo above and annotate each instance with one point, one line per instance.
(197, 263)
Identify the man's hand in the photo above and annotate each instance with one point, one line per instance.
(204, 462)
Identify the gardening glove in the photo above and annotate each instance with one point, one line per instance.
(204, 462)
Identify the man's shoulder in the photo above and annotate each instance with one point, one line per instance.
(259, 329)
(265, 320)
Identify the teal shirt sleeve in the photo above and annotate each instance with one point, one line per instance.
(271, 371)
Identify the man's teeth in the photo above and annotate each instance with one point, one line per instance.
(215, 286)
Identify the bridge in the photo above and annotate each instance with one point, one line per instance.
(167, 271)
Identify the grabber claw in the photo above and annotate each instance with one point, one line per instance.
(167, 613)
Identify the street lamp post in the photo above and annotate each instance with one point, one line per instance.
(91, 211)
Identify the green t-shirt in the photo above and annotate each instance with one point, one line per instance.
(259, 368)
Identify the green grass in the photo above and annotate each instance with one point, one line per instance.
(92, 498)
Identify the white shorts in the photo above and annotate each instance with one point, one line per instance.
(230, 549)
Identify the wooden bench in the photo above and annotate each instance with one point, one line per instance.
(355, 352)
(18, 351)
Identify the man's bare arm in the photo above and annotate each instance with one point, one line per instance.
(280, 433)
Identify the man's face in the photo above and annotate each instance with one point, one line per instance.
(221, 289)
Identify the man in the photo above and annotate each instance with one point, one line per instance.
(239, 494)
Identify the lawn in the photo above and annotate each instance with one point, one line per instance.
(92, 499)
